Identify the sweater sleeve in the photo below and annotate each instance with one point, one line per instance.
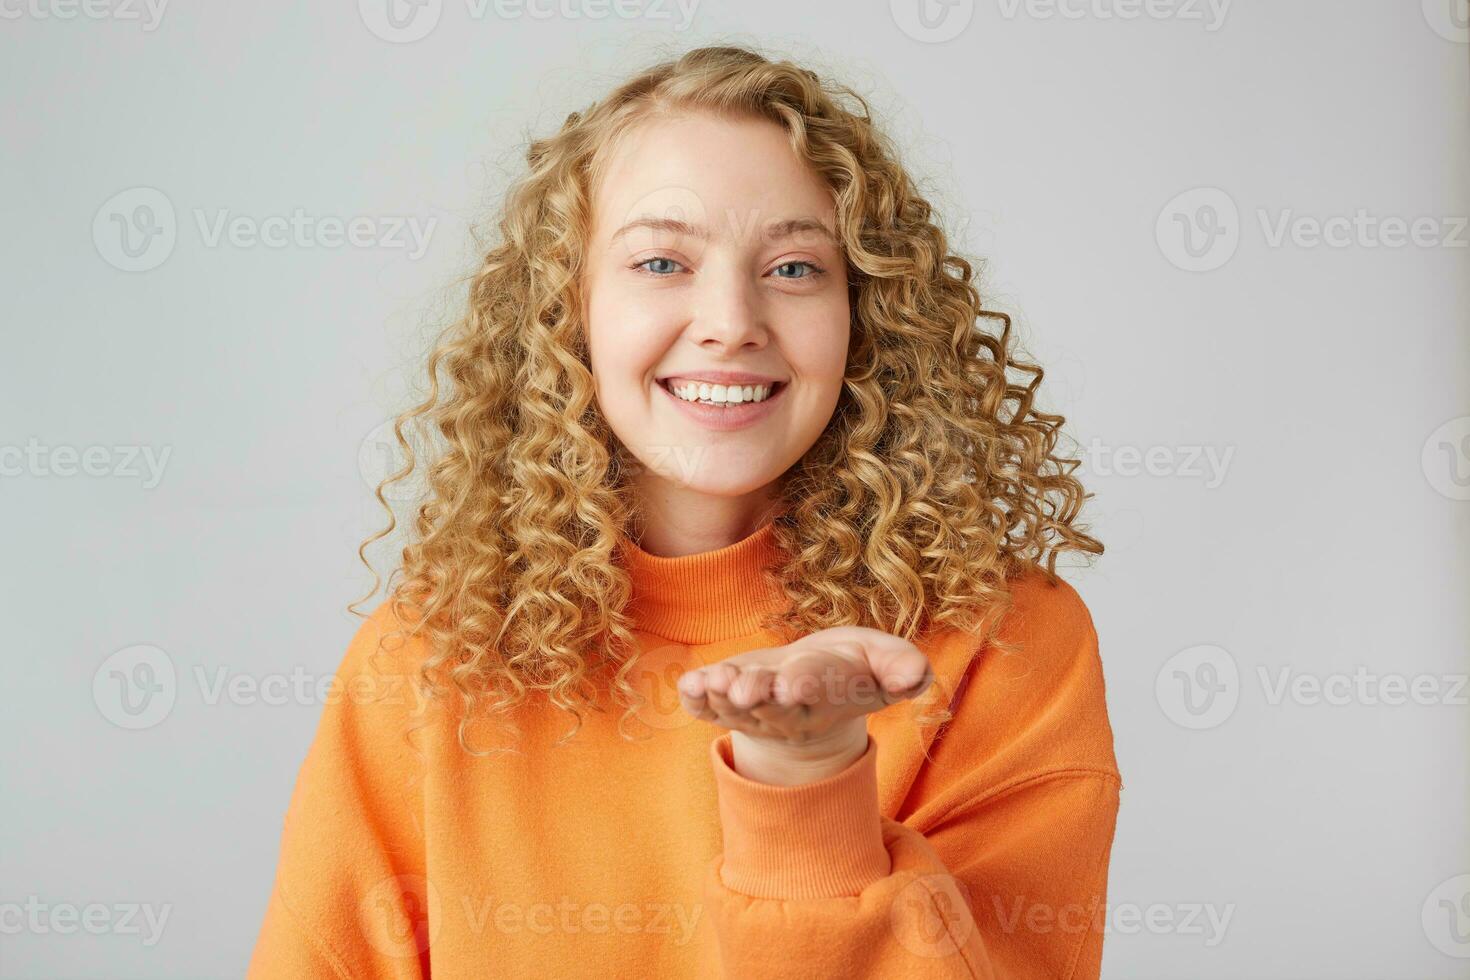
(814, 881)
(350, 897)
(998, 866)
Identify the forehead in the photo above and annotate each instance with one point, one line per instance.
(722, 174)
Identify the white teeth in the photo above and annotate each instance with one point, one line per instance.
(711, 394)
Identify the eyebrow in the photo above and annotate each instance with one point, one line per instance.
(774, 231)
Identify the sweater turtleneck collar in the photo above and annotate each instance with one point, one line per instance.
(705, 597)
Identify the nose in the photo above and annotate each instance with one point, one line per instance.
(729, 313)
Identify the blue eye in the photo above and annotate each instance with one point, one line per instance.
(816, 271)
(665, 271)
(657, 258)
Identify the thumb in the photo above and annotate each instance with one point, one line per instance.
(901, 674)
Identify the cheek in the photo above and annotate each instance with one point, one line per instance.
(624, 338)
(818, 348)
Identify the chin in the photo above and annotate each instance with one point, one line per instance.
(719, 488)
(686, 474)
(708, 467)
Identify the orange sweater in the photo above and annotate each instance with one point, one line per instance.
(656, 859)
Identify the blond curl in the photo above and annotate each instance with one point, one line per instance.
(936, 482)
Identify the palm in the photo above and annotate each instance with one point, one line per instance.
(804, 691)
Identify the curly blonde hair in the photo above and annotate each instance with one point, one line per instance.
(935, 482)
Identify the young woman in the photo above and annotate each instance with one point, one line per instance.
(728, 642)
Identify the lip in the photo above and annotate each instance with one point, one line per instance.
(723, 377)
(725, 419)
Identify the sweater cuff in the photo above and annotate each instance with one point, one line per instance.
(819, 840)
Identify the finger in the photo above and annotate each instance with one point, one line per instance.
(717, 687)
(692, 683)
(901, 673)
(691, 695)
(752, 687)
(796, 683)
(718, 678)
(892, 693)
(699, 708)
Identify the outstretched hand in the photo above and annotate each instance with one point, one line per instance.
(798, 712)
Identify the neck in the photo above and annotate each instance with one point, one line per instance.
(675, 522)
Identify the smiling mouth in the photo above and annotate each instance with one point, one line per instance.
(748, 393)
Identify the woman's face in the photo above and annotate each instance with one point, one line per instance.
(695, 271)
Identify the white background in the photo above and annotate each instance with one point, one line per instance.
(1329, 539)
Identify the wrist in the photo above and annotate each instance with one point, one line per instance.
(784, 763)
